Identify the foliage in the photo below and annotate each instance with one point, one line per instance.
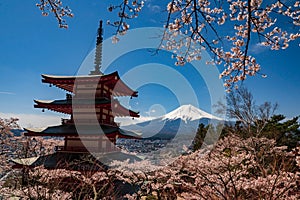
(284, 132)
(16, 147)
(195, 25)
(206, 135)
(66, 184)
(236, 168)
(9, 143)
(242, 108)
(258, 120)
(200, 135)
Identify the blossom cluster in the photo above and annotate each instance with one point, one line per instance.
(234, 168)
(226, 29)
(56, 7)
(197, 25)
(8, 142)
(127, 9)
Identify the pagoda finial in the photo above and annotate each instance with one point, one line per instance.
(98, 53)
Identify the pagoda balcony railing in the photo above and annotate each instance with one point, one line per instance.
(83, 149)
(76, 149)
(88, 95)
(110, 123)
(89, 121)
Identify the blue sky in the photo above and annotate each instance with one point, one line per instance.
(31, 45)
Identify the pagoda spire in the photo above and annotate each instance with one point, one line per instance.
(98, 53)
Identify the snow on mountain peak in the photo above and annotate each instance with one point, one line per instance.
(188, 112)
(184, 112)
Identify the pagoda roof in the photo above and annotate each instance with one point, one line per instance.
(112, 81)
(66, 106)
(101, 101)
(71, 130)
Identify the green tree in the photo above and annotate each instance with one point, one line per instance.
(200, 135)
(253, 120)
(242, 108)
(285, 132)
(207, 135)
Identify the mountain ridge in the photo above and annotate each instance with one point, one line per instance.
(182, 120)
(186, 112)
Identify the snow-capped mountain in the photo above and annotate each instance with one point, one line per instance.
(183, 120)
(188, 113)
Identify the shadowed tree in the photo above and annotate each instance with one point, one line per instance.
(242, 108)
(258, 120)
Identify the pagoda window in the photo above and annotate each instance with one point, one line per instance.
(82, 110)
(98, 110)
(91, 143)
(103, 116)
(74, 143)
(104, 144)
(83, 86)
(89, 86)
(86, 91)
(105, 111)
(86, 116)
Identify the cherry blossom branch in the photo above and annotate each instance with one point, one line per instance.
(199, 24)
(127, 9)
(59, 11)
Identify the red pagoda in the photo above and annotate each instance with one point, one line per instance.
(92, 105)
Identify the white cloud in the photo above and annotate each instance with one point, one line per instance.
(9, 93)
(152, 111)
(153, 21)
(45, 120)
(125, 121)
(34, 120)
(153, 7)
(258, 48)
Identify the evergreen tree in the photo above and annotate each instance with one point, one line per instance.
(285, 132)
(200, 135)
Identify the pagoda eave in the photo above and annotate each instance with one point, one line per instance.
(134, 114)
(71, 131)
(58, 109)
(66, 106)
(32, 133)
(112, 80)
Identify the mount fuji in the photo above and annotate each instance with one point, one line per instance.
(183, 120)
(188, 113)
